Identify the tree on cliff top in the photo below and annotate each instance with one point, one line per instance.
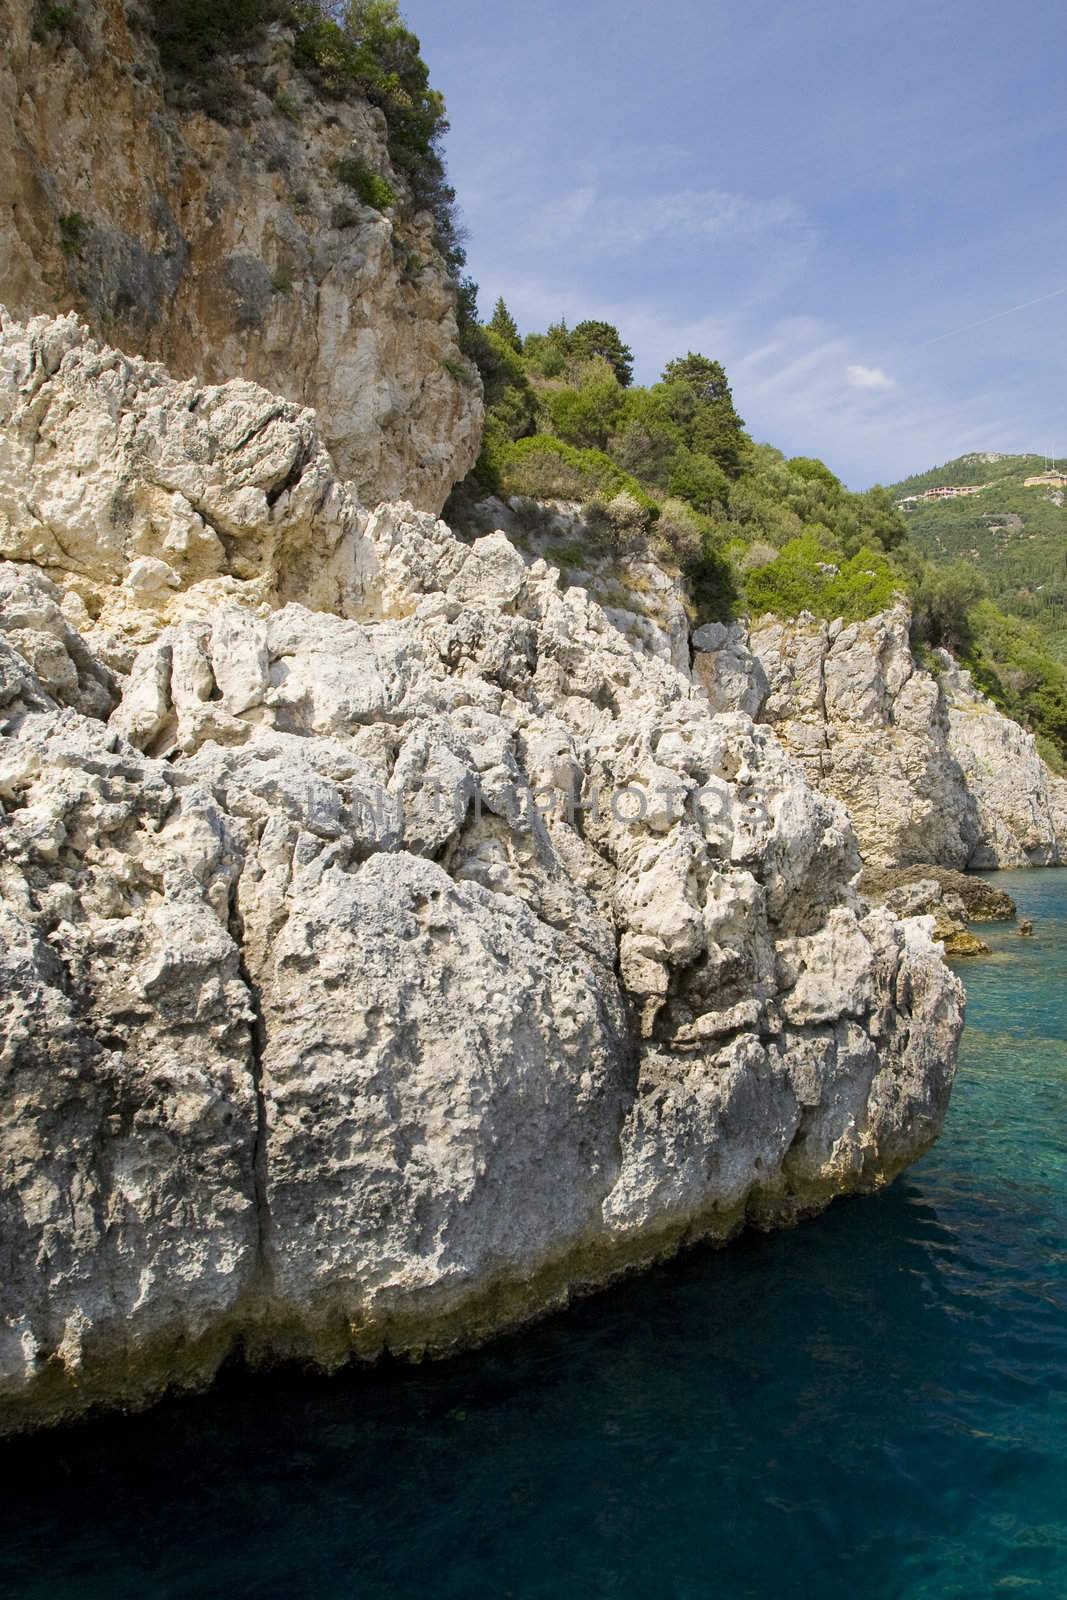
(190, 33)
(504, 324)
(698, 398)
(591, 339)
(364, 47)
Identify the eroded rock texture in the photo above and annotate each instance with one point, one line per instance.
(349, 1002)
(231, 250)
(926, 766)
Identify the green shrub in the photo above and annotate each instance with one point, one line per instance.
(370, 186)
(191, 33)
(285, 105)
(793, 582)
(805, 577)
(712, 586)
(542, 473)
(865, 584)
(503, 324)
(776, 500)
(56, 20)
(620, 522)
(509, 397)
(680, 533)
(942, 604)
(645, 442)
(810, 468)
(568, 557)
(455, 369)
(601, 341)
(548, 469)
(586, 414)
(760, 518)
(73, 233)
(699, 480)
(1052, 755)
(548, 353)
(697, 395)
(1011, 664)
(747, 557)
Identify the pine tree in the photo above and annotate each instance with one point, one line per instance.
(697, 395)
(504, 325)
(591, 339)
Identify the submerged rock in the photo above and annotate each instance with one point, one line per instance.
(393, 946)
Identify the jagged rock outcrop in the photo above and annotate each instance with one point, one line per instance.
(947, 896)
(927, 768)
(391, 945)
(236, 250)
(1021, 805)
(637, 592)
(978, 898)
(726, 669)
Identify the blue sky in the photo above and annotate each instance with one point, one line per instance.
(821, 195)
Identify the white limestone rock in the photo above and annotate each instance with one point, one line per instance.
(393, 947)
(926, 766)
(730, 675)
(1021, 805)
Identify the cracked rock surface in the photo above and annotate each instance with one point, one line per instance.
(927, 767)
(225, 241)
(392, 946)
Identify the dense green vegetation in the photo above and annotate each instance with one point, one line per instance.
(1016, 536)
(996, 562)
(980, 467)
(1012, 663)
(371, 187)
(672, 467)
(193, 34)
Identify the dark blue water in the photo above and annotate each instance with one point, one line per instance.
(872, 1405)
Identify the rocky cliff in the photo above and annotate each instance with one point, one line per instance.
(392, 945)
(232, 250)
(926, 766)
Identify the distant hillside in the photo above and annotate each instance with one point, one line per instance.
(981, 466)
(1016, 536)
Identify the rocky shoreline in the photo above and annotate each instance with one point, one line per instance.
(403, 927)
(953, 899)
(292, 1074)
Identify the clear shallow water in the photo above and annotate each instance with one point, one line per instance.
(872, 1405)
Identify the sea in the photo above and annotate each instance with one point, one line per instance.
(873, 1404)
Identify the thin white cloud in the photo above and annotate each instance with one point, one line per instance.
(600, 223)
(860, 377)
(805, 367)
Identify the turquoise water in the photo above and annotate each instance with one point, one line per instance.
(872, 1405)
